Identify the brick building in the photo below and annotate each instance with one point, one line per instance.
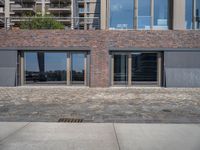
(140, 43)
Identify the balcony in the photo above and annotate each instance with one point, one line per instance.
(76, 23)
(41, 1)
(1, 10)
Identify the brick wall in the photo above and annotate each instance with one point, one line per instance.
(99, 43)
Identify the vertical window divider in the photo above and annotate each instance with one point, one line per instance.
(85, 68)
(159, 69)
(129, 69)
(68, 68)
(194, 14)
(112, 70)
(152, 14)
(22, 73)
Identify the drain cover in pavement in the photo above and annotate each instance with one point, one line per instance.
(70, 120)
(166, 110)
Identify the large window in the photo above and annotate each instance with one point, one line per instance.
(136, 68)
(55, 68)
(121, 14)
(139, 14)
(161, 14)
(43, 67)
(144, 68)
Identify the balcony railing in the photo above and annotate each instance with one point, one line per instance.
(75, 23)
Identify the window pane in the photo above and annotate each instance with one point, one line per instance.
(144, 67)
(198, 14)
(188, 14)
(120, 69)
(121, 14)
(43, 67)
(160, 14)
(77, 68)
(144, 14)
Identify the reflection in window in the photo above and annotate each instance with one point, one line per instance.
(144, 14)
(198, 14)
(188, 14)
(144, 67)
(160, 14)
(77, 68)
(121, 14)
(120, 69)
(44, 67)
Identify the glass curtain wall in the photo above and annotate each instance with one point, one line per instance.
(121, 14)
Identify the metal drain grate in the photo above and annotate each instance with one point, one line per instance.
(70, 120)
(166, 110)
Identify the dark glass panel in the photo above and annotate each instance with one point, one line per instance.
(120, 69)
(144, 67)
(77, 68)
(43, 67)
(121, 14)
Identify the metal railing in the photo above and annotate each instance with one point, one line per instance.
(75, 23)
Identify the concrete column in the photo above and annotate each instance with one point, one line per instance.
(104, 14)
(7, 14)
(179, 15)
(135, 21)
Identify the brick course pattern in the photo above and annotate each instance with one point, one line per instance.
(99, 43)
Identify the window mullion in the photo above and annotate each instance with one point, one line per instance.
(152, 14)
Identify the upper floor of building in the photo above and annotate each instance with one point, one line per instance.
(110, 14)
(150, 14)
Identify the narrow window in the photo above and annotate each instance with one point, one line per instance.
(161, 14)
(78, 68)
(120, 69)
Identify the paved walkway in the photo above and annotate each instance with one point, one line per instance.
(122, 105)
(61, 136)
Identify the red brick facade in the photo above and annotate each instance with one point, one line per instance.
(99, 43)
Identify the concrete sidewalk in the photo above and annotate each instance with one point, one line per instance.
(63, 136)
